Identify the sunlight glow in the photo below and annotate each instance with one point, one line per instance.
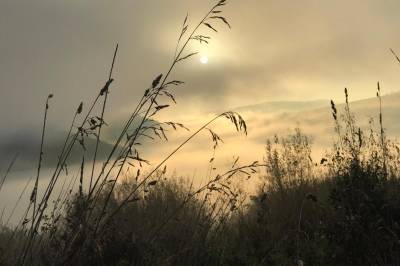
(204, 59)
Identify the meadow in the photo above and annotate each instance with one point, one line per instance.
(341, 210)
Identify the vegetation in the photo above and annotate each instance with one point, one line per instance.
(343, 210)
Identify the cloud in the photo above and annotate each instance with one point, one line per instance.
(26, 146)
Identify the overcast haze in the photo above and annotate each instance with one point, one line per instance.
(276, 50)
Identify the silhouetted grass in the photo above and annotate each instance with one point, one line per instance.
(341, 210)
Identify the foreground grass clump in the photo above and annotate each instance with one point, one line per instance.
(161, 227)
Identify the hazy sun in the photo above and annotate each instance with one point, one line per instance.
(204, 59)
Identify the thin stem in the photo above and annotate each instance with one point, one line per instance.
(10, 166)
(35, 189)
(102, 117)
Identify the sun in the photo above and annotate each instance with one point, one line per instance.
(204, 60)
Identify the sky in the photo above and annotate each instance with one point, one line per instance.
(276, 51)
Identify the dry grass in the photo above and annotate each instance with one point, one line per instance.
(342, 209)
